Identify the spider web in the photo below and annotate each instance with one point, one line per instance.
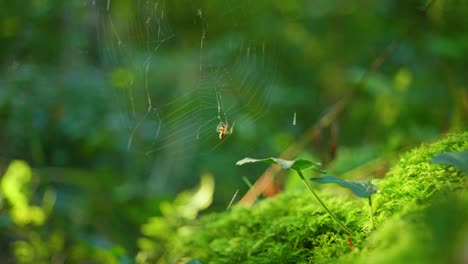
(180, 71)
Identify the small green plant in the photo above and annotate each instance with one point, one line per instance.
(362, 189)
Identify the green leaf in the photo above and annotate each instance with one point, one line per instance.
(360, 188)
(298, 164)
(456, 159)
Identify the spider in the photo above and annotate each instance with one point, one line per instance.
(224, 129)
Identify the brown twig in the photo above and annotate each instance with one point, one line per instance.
(350, 243)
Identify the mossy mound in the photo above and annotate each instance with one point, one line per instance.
(290, 228)
(422, 210)
(420, 216)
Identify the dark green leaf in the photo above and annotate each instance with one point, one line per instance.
(456, 159)
(360, 188)
(298, 164)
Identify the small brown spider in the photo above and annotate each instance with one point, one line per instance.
(224, 129)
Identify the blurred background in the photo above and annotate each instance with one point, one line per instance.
(114, 106)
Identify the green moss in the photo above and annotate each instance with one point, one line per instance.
(422, 210)
(290, 228)
(420, 217)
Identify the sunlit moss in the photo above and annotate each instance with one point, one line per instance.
(416, 199)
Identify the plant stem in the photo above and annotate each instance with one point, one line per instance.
(345, 228)
(371, 214)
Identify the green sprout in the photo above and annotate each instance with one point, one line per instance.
(362, 189)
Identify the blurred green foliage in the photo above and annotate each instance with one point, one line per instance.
(76, 76)
(160, 242)
(15, 191)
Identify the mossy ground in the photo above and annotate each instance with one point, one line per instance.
(420, 216)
